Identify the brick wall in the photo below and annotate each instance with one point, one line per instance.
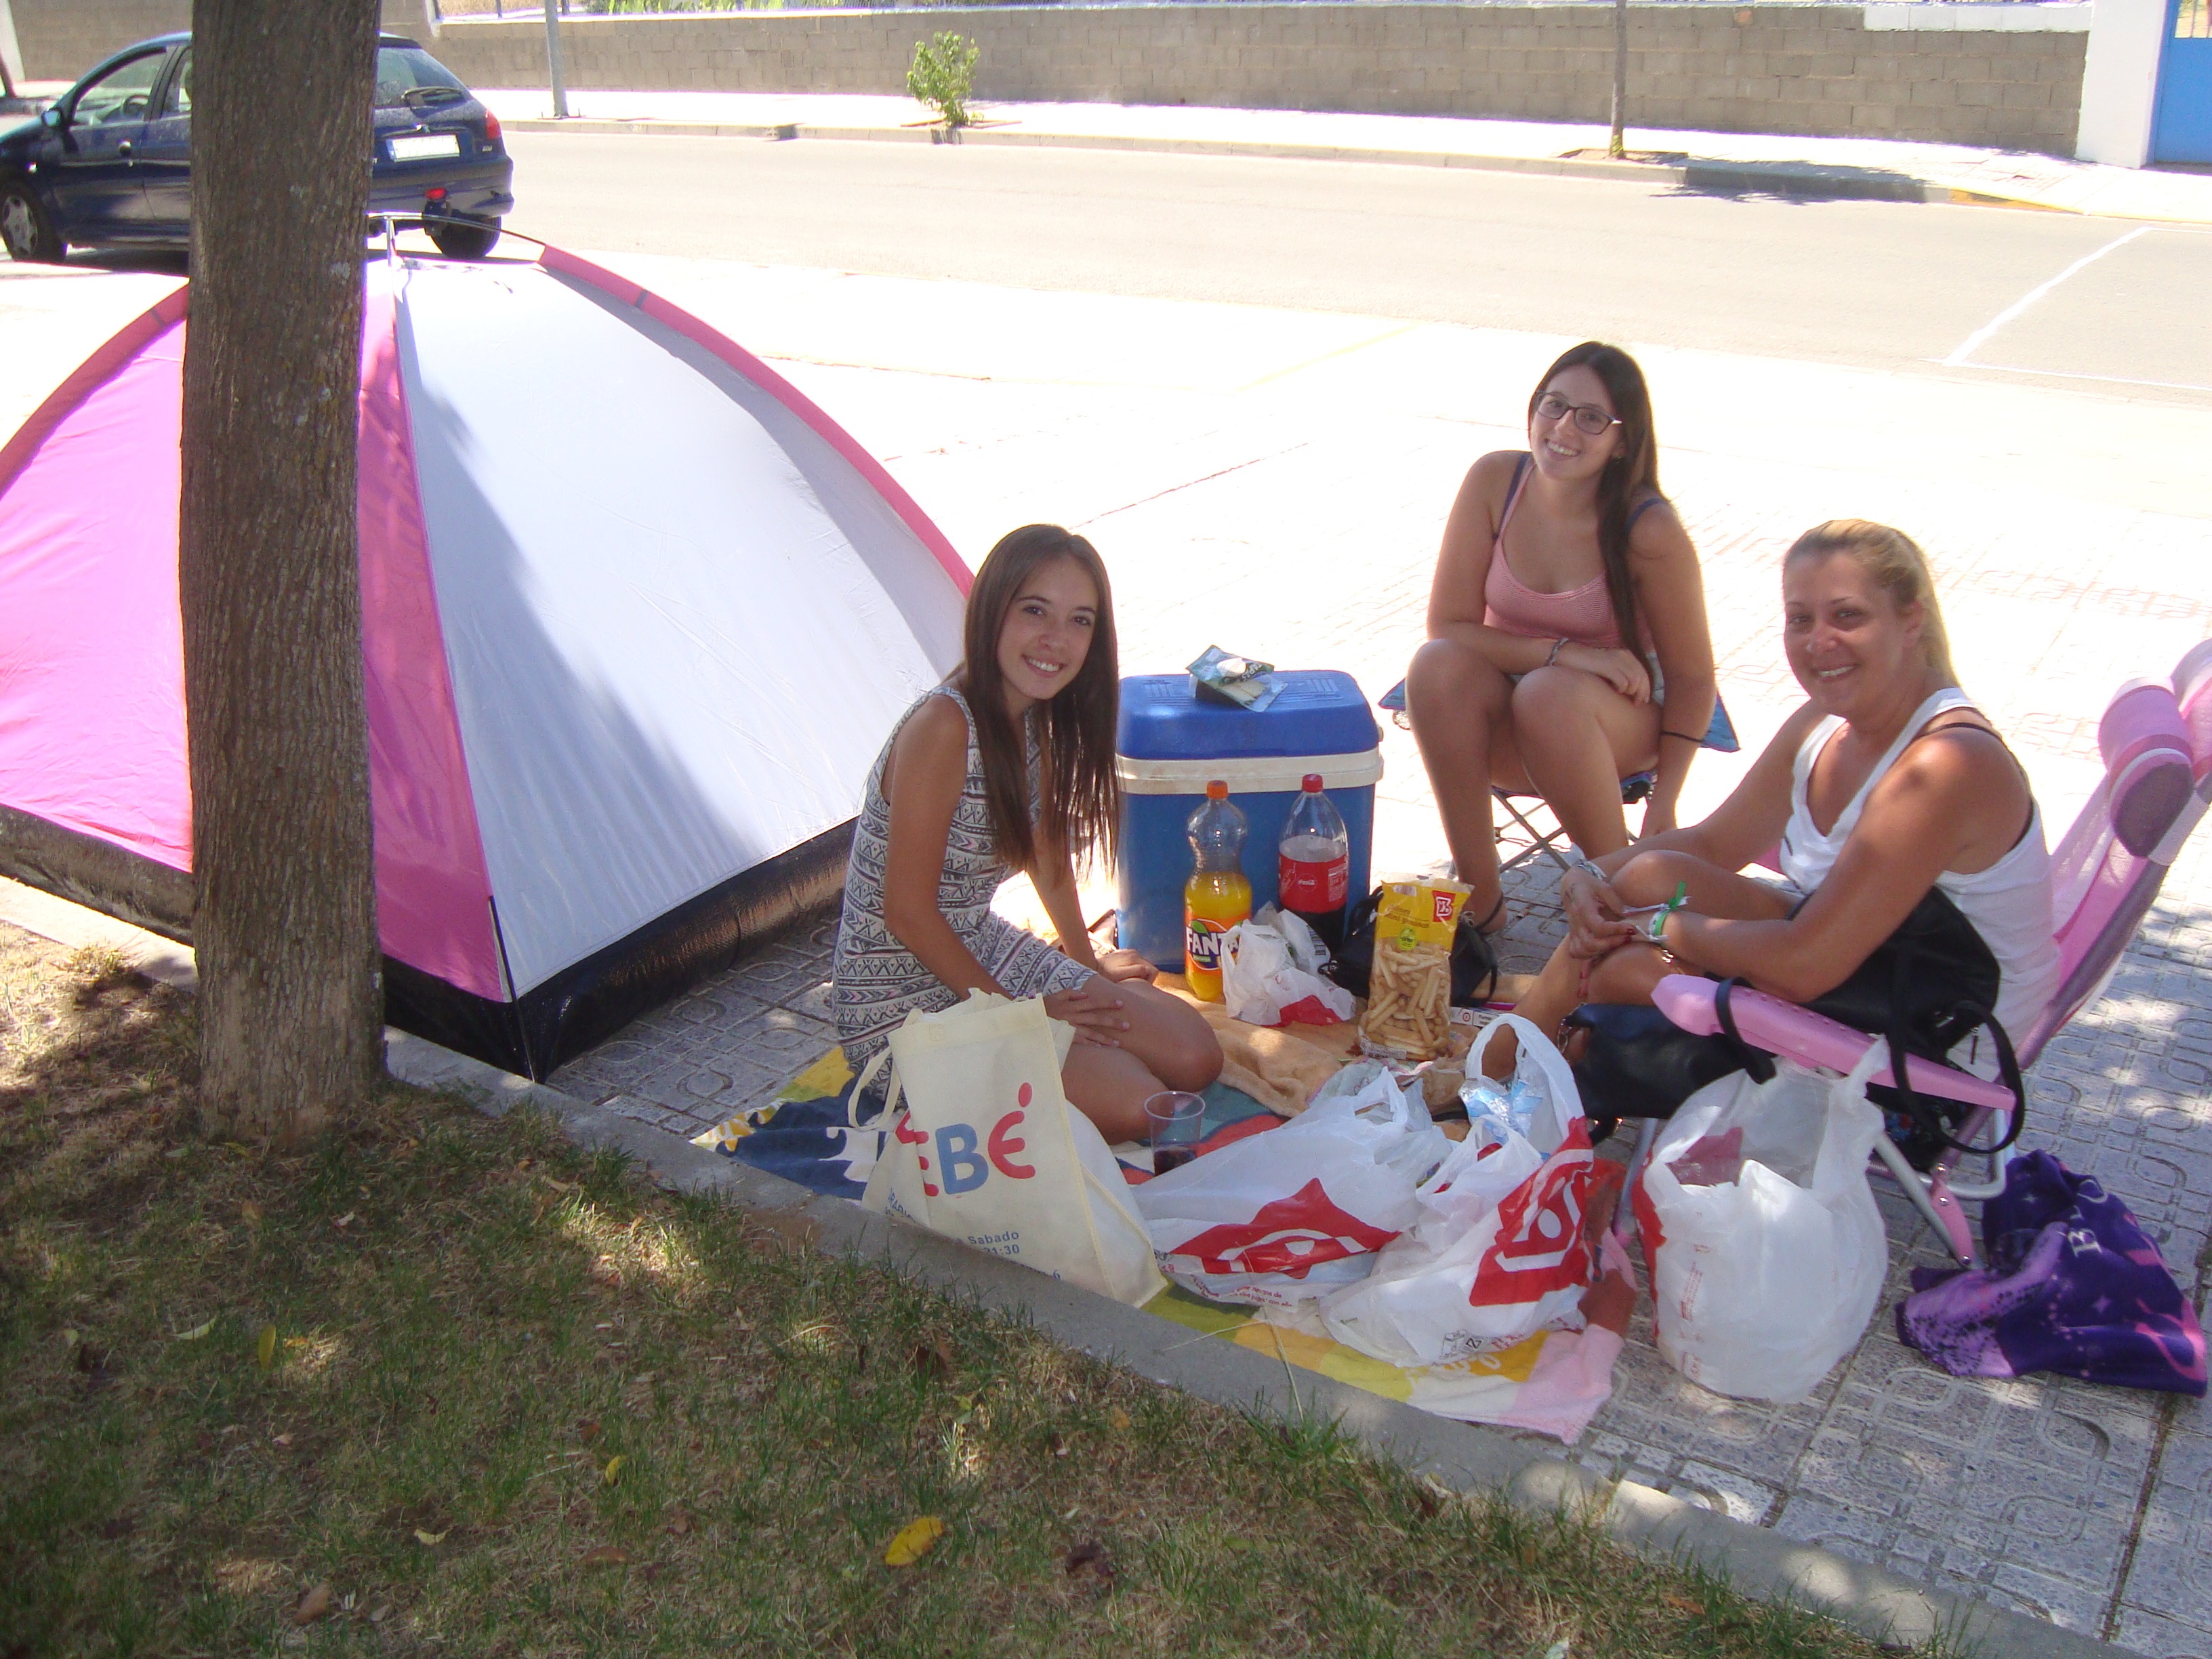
(1801, 69)
(1771, 68)
(63, 39)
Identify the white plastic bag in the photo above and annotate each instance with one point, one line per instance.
(1767, 1251)
(1271, 972)
(1280, 1220)
(1502, 1249)
(985, 1149)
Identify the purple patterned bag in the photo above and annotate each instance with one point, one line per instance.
(2074, 1285)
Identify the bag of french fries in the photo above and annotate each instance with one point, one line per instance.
(1409, 1014)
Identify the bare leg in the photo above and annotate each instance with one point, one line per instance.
(1578, 738)
(1462, 709)
(1628, 975)
(1167, 1045)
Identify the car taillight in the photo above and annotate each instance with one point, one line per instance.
(491, 128)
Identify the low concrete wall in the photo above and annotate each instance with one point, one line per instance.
(1798, 69)
(1769, 68)
(63, 39)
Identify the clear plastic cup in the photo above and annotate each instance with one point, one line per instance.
(1173, 1120)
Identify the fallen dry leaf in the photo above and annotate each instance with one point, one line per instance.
(315, 1604)
(197, 1332)
(264, 1347)
(933, 1358)
(587, 1429)
(343, 1221)
(430, 1539)
(284, 1440)
(679, 1521)
(915, 1540)
(612, 1473)
(607, 1555)
(1118, 1418)
(250, 1213)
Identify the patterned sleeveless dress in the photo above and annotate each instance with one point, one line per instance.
(877, 981)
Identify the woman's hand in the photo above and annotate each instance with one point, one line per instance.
(1624, 671)
(1096, 1018)
(1595, 922)
(1118, 965)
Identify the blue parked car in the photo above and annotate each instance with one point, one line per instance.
(109, 164)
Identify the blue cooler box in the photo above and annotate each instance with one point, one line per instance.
(1172, 745)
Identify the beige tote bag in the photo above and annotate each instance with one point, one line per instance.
(982, 1146)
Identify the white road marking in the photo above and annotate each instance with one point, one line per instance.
(2062, 374)
(1980, 337)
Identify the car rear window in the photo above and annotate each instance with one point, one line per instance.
(404, 70)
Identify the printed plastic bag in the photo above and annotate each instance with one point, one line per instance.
(985, 1149)
(1281, 1219)
(1766, 1252)
(1270, 974)
(1502, 1249)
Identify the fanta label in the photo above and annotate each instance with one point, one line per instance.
(1201, 943)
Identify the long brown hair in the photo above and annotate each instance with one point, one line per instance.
(1631, 472)
(1079, 802)
(1898, 568)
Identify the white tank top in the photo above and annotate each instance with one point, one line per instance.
(2008, 903)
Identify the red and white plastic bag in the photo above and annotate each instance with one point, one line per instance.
(1270, 974)
(1282, 1219)
(1501, 1250)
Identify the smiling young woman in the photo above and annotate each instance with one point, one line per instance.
(1009, 766)
(1886, 784)
(1564, 581)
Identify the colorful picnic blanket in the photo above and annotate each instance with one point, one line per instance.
(1553, 1382)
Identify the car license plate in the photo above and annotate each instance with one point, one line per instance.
(422, 147)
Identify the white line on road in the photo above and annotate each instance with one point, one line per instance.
(2062, 374)
(1979, 337)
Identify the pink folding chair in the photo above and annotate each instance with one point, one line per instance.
(2157, 741)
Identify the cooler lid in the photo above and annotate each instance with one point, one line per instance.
(1321, 711)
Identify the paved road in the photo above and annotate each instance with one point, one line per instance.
(1871, 285)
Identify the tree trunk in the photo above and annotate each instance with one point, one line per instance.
(284, 907)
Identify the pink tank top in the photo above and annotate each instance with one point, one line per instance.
(1582, 615)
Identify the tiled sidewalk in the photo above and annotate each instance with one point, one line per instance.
(1314, 494)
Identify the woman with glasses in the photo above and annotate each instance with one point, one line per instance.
(1567, 644)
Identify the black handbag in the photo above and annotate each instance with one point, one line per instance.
(1927, 987)
(1474, 963)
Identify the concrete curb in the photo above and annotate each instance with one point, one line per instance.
(1798, 179)
(1758, 1563)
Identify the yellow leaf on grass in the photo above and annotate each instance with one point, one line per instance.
(613, 1471)
(264, 1347)
(430, 1540)
(1118, 1418)
(915, 1540)
(197, 1332)
(250, 1213)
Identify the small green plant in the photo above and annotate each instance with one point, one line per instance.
(943, 76)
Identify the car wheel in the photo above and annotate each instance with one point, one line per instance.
(25, 228)
(463, 239)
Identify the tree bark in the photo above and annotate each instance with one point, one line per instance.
(284, 904)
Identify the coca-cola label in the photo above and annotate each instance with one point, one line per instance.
(1201, 943)
(1318, 886)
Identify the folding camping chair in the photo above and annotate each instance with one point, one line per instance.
(2157, 741)
(1720, 736)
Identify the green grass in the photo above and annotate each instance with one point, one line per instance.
(515, 1402)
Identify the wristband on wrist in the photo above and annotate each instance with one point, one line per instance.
(1578, 859)
(1557, 646)
(1656, 929)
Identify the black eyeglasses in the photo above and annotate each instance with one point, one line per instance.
(1588, 417)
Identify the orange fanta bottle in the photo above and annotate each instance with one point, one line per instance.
(1217, 896)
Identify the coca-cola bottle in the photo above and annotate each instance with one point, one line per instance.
(1314, 863)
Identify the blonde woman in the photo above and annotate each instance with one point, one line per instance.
(1886, 785)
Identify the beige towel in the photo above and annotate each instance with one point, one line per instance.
(1279, 1067)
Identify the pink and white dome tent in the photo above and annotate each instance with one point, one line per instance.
(637, 616)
